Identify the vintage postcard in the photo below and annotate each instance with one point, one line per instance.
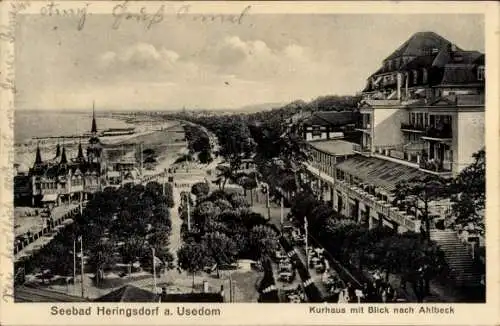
(249, 162)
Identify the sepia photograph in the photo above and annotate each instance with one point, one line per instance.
(163, 155)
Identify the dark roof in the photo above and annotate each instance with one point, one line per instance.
(331, 118)
(418, 43)
(64, 159)
(335, 147)
(479, 60)
(80, 152)
(442, 58)
(459, 74)
(466, 56)
(33, 294)
(38, 156)
(379, 172)
(128, 293)
(419, 62)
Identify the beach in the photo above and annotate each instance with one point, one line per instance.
(49, 124)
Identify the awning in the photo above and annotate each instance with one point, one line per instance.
(49, 198)
(378, 172)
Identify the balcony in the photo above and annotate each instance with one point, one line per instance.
(412, 127)
(442, 169)
(360, 149)
(363, 127)
(443, 133)
(408, 154)
(393, 213)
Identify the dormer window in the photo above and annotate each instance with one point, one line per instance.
(415, 77)
(424, 76)
(480, 73)
(389, 65)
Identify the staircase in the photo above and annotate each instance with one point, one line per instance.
(458, 258)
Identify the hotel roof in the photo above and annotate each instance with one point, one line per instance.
(330, 118)
(336, 146)
(416, 44)
(459, 74)
(379, 172)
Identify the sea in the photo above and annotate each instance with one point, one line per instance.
(29, 124)
(43, 124)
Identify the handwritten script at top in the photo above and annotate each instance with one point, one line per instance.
(122, 13)
(149, 16)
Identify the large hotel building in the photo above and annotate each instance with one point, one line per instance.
(421, 113)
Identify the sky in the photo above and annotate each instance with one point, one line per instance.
(268, 58)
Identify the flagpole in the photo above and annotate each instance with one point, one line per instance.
(81, 253)
(154, 270)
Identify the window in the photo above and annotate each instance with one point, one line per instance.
(389, 65)
(415, 77)
(480, 73)
(424, 76)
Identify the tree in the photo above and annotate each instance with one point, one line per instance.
(101, 256)
(192, 257)
(204, 212)
(225, 173)
(420, 192)
(238, 201)
(200, 189)
(169, 195)
(303, 205)
(249, 184)
(469, 192)
(220, 248)
(205, 157)
(263, 241)
(223, 204)
(132, 250)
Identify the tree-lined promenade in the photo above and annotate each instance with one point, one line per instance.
(279, 154)
(117, 226)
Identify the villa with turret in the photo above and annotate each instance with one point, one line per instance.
(50, 182)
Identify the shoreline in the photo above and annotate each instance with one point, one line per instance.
(145, 131)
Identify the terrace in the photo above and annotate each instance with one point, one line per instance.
(396, 214)
(440, 168)
(409, 154)
(441, 133)
(361, 149)
(411, 127)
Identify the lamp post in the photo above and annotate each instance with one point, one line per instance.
(188, 211)
(82, 263)
(74, 261)
(282, 212)
(154, 270)
(306, 240)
